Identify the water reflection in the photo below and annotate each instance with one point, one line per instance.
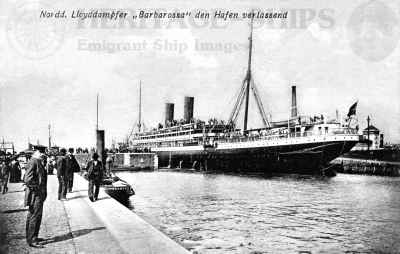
(212, 213)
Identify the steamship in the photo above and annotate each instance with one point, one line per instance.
(299, 144)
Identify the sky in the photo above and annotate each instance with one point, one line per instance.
(335, 52)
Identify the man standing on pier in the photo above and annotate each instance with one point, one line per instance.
(95, 173)
(62, 175)
(35, 195)
(109, 162)
(16, 171)
(5, 175)
(72, 166)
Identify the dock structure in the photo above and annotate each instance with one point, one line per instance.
(126, 161)
(78, 225)
(367, 167)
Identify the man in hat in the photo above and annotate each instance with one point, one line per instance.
(16, 171)
(62, 175)
(71, 166)
(95, 173)
(5, 175)
(109, 163)
(35, 195)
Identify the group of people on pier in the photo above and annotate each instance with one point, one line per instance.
(66, 166)
(10, 171)
(35, 180)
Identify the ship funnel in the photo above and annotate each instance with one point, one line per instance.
(294, 102)
(169, 113)
(188, 109)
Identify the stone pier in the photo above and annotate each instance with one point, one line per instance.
(79, 226)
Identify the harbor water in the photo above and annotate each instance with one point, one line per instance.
(215, 213)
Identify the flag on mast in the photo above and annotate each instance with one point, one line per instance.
(352, 109)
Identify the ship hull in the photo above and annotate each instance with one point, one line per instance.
(309, 158)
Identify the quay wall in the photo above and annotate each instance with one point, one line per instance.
(133, 234)
(125, 161)
(380, 155)
(366, 167)
(78, 225)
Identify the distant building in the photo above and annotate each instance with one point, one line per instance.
(36, 147)
(375, 137)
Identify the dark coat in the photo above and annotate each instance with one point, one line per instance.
(5, 172)
(61, 167)
(95, 172)
(71, 165)
(35, 180)
(15, 173)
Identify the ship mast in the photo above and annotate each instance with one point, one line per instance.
(248, 77)
(139, 125)
(244, 93)
(97, 112)
(49, 127)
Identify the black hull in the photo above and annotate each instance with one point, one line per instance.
(310, 158)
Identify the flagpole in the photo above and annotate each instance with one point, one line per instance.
(97, 112)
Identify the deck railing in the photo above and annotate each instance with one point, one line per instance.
(331, 132)
(279, 136)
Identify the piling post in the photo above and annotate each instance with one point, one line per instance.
(101, 146)
(294, 102)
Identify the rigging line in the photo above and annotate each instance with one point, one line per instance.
(239, 103)
(240, 106)
(260, 109)
(131, 132)
(235, 96)
(238, 99)
(259, 104)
